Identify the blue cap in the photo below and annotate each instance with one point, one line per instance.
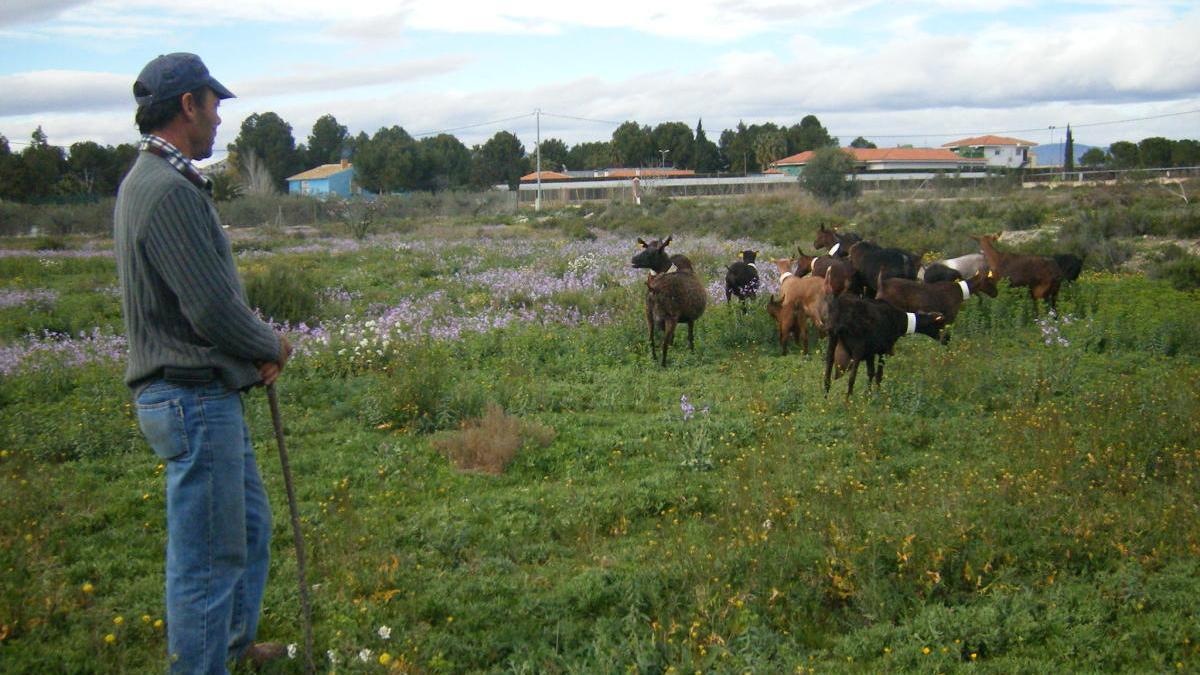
(170, 75)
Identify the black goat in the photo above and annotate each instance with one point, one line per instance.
(863, 329)
(742, 280)
(839, 243)
(1070, 264)
(872, 262)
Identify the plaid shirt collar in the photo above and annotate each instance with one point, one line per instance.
(164, 149)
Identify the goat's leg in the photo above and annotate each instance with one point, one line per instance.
(870, 371)
(879, 372)
(650, 324)
(668, 338)
(853, 373)
(691, 339)
(829, 360)
(785, 332)
(803, 337)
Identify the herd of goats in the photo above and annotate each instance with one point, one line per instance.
(862, 296)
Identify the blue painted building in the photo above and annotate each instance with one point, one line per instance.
(325, 180)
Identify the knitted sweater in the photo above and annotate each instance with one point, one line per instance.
(180, 293)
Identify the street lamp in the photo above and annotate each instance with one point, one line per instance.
(663, 164)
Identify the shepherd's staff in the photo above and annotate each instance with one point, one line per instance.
(296, 536)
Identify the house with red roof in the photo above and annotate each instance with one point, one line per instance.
(997, 150)
(889, 160)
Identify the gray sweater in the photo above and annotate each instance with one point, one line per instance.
(183, 302)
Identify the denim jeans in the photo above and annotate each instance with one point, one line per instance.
(218, 522)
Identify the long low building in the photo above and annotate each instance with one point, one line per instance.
(892, 160)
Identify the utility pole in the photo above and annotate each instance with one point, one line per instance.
(537, 203)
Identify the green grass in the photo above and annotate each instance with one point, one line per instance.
(1006, 505)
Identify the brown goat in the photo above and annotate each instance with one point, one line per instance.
(838, 270)
(1039, 273)
(944, 297)
(800, 301)
(674, 294)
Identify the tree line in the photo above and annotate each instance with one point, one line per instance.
(266, 152)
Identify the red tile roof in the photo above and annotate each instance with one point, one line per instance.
(546, 175)
(868, 155)
(989, 140)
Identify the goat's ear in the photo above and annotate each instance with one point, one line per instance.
(668, 241)
(641, 243)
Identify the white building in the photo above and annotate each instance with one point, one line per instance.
(997, 150)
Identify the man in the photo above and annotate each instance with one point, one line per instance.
(194, 346)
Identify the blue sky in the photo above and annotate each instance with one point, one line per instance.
(922, 71)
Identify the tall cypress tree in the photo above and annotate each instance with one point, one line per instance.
(1069, 152)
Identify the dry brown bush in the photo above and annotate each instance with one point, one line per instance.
(490, 443)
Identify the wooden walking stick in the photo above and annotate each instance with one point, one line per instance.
(296, 535)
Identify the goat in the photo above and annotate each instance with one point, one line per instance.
(839, 243)
(861, 329)
(962, 267)
(1039, 273)
(741, 279)
(943, 297)
(872, 262)
(799, 302)
(838, 270)
(1070, 264)
(674, 294)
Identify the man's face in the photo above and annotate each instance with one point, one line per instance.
(204, 126)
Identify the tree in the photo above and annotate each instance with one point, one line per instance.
(770, 146)
(10, 165)
(270, 138)
(326, 142)
(706, 157)
(1124, 154)
(554, 154)
(737, 148)
(41, 167)
(447, 162)
(1155, 152)
(1069, 151)
(500, 160)
(676, 138)
(825, 175)
(808, 135)
(632, 145)
(1093, 157)
(589, 155)
(390, 162)
(861, 142)
(1185, 153)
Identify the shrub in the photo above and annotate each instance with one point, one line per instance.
(282, 292)
(1182, 272)
(825, 175)
(490, 443)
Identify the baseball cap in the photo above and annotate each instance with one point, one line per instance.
(170, 75)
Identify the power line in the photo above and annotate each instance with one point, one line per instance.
(581, 119)
(471, 125)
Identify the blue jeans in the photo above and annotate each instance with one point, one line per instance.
(218, 522)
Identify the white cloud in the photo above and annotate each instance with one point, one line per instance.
(317, 78)
(50, 90)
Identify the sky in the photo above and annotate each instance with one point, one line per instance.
(920, 72)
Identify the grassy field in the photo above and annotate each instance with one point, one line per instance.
(1023, 499)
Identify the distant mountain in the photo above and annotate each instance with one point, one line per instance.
(1052, 154)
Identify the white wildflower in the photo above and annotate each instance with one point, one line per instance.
(364, 655)
(385, 632)
(291, 649)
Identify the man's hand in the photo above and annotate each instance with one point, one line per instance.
(269, 371)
